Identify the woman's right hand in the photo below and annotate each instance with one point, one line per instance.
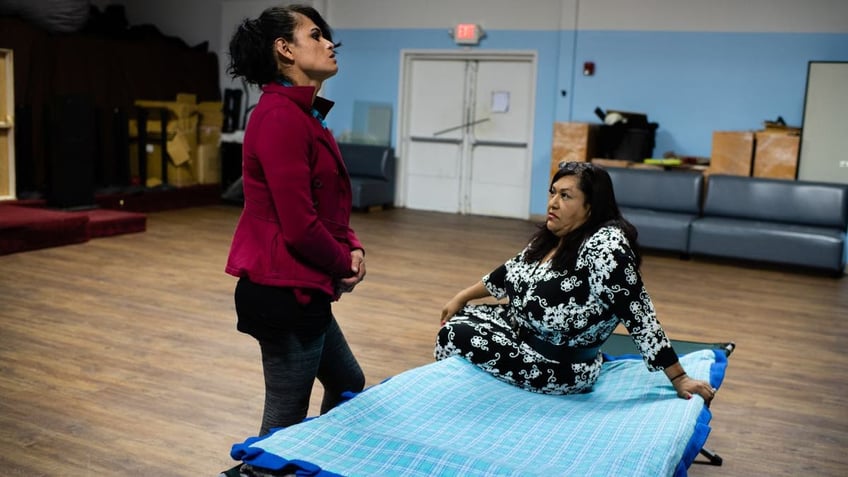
(478, 290)
(451, 308)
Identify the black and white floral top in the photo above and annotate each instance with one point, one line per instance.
(579, 308)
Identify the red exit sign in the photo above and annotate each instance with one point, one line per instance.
(467, 34)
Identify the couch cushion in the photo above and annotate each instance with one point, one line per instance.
(672, 191)
(819, 247)
(660, 230)
(786, 201)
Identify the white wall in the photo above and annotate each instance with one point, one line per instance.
(196, 21)
(664, 15)
(495, 14)
(784, 16)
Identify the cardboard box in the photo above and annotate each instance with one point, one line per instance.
(207, 168)
(182, 135)
(211, 113)
(181, 145)
(776, 154)
(181, 116)
(209, 131)
(179, 175)
(573, 142)
(732, 153)
(187, 98)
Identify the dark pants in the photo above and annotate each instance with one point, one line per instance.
(299, 343)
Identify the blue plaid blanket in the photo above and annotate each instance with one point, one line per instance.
(451, 418)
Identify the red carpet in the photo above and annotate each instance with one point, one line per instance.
(105, 222)
(29, 225)
(30, 228)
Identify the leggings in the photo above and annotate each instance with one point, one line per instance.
(299, 344)
(291, 367)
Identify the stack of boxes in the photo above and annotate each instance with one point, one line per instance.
(193, 134)
(770, 153)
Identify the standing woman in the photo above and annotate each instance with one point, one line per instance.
(293, 249)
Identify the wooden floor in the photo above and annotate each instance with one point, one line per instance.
(119, 356)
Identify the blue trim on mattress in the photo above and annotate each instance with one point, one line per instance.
(702, 424)
(256, 456)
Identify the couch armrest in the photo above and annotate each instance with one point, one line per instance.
(366, 160)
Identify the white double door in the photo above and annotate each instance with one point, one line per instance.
(466, 133)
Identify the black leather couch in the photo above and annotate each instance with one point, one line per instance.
(372, 174)
(788, 222)
(781, 221)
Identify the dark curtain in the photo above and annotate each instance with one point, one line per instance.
(107, 63)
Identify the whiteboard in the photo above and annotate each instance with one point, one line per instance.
(824, 137)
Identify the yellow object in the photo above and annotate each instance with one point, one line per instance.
(189, 125)
(670, 161)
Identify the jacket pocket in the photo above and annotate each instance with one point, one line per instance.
(336, 229)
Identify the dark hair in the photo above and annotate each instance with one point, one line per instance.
(595, 183)
(252, 53)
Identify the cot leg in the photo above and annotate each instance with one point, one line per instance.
(714, 458)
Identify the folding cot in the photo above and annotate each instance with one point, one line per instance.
(451, 418)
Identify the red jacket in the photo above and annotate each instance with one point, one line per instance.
(294, 230)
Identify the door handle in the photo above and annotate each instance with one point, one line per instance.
(435, 139)
(478, 121)
(499, 143)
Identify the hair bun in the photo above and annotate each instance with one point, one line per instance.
(252, 26)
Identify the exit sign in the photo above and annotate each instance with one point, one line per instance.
(467, 34)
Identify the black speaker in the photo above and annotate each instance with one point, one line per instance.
(230, 163)
(232, 110)
(71, 147)
(24, 156)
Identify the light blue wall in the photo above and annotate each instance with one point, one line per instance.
(691, 83)
(695, 83)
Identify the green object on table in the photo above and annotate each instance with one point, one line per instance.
(671, 161)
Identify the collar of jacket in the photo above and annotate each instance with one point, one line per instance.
(302, 97)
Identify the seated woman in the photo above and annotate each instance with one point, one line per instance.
(566, 293)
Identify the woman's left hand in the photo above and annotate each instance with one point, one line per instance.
(686, 387)
(357, 266)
